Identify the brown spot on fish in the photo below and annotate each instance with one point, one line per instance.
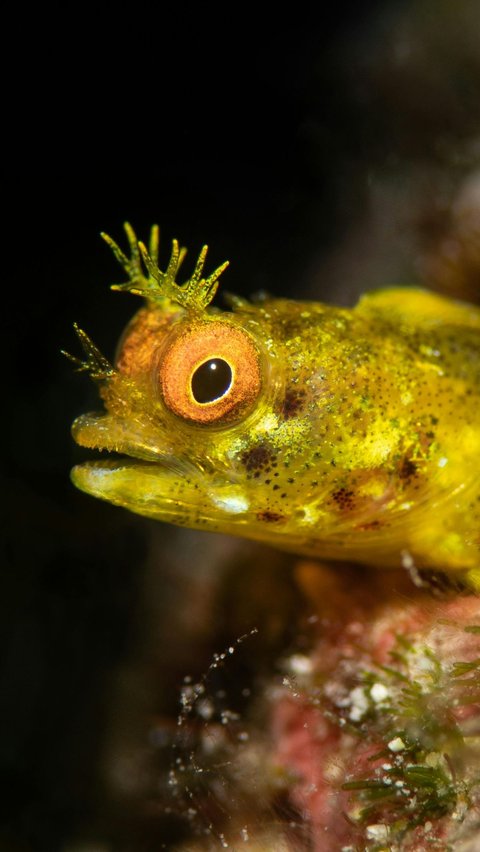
(271, 517)
(257, 457)
(407, 470)
(292, 403)
(369, 525)
(344, 498)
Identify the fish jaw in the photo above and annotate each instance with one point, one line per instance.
(154, 479)
(166, 491)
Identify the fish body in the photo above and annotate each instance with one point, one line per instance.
(342, 433)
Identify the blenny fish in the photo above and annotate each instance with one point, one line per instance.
(342, 433)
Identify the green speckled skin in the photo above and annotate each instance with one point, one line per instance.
(362, 445)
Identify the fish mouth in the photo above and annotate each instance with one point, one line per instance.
(151, 480)
(147, 488)
(145, 479)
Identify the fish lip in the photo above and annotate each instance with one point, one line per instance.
(105, 433)
(114, 479)
(89, 475)
(117, 461)
(165, 465)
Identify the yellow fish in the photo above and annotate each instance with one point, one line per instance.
(343, 433)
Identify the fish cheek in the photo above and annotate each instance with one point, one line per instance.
(261, 467)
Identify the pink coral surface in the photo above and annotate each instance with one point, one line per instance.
(376, 729)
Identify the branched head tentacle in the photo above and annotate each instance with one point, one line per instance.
(147, 279)
(94, 363)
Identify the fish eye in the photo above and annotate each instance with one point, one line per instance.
(210, 373)
(211, 380)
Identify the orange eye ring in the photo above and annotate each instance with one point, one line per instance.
(233, 350)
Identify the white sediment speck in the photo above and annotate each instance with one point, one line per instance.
(442, 462)
(396, 745)
(358, 704)
(205, 708)
(300, 664)
(379, 692)
(377, 832)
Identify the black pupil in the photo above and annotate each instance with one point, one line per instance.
(211, 380)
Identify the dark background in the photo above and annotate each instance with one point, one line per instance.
(322, 159)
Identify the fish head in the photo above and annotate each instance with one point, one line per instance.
(198, 414)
